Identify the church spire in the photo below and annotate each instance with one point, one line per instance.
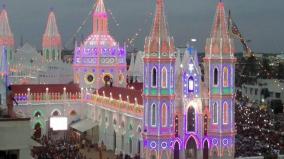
(159, 40)
(6, 35)
(51, 41)
(51, 36)
(100, 19)
(220, 28)
(219, 43)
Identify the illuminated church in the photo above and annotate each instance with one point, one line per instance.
(177, 112)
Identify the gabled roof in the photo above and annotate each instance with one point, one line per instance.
(41, 88)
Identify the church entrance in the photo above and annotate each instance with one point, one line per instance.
(176, 151)
(206, 150)
(190, 152)
(37, 131)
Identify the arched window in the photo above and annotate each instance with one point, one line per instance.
(225, 113)
(153, 118)
(172, 77)
(53, 55)
(154, 77)
(164, 115)
(215, 113)
(225, 77)
(47, 54)
(130, 145)
(146, 76)
(190, 119)
(164, 77)
(215, 76)
(190, 84)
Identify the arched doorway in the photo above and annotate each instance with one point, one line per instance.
(190, 152)
(114, 140)
(37, 131)
(176, 151)
(206, 150)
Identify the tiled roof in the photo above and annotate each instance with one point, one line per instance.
(131, 93)
(41, 88)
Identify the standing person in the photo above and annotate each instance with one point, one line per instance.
(10, 98)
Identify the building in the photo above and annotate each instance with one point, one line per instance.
(172, 114)
(264, 90)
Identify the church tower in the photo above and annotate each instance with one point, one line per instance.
(159, 92)
(6, 35)
(51, 40)
(219, 75)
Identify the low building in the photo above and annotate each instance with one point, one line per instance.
(264, 90)
(15, 137)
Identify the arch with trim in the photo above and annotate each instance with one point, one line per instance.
(37, 112)
(55, 112)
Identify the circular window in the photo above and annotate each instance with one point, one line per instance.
(90, 78)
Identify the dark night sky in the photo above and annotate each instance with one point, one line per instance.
(259, 20)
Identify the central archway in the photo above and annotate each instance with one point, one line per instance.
(191, 149)
(206, 150)
(176, 151)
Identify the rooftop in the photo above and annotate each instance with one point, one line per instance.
(123, 92)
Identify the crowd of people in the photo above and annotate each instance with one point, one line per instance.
(73, 149)
(256, 134)
(57, 149)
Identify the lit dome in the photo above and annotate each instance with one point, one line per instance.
(99, 40)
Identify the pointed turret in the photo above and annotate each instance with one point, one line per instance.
(51, 41)
(219, 43)
(6, 35)
(159, 40)
(100, 19)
